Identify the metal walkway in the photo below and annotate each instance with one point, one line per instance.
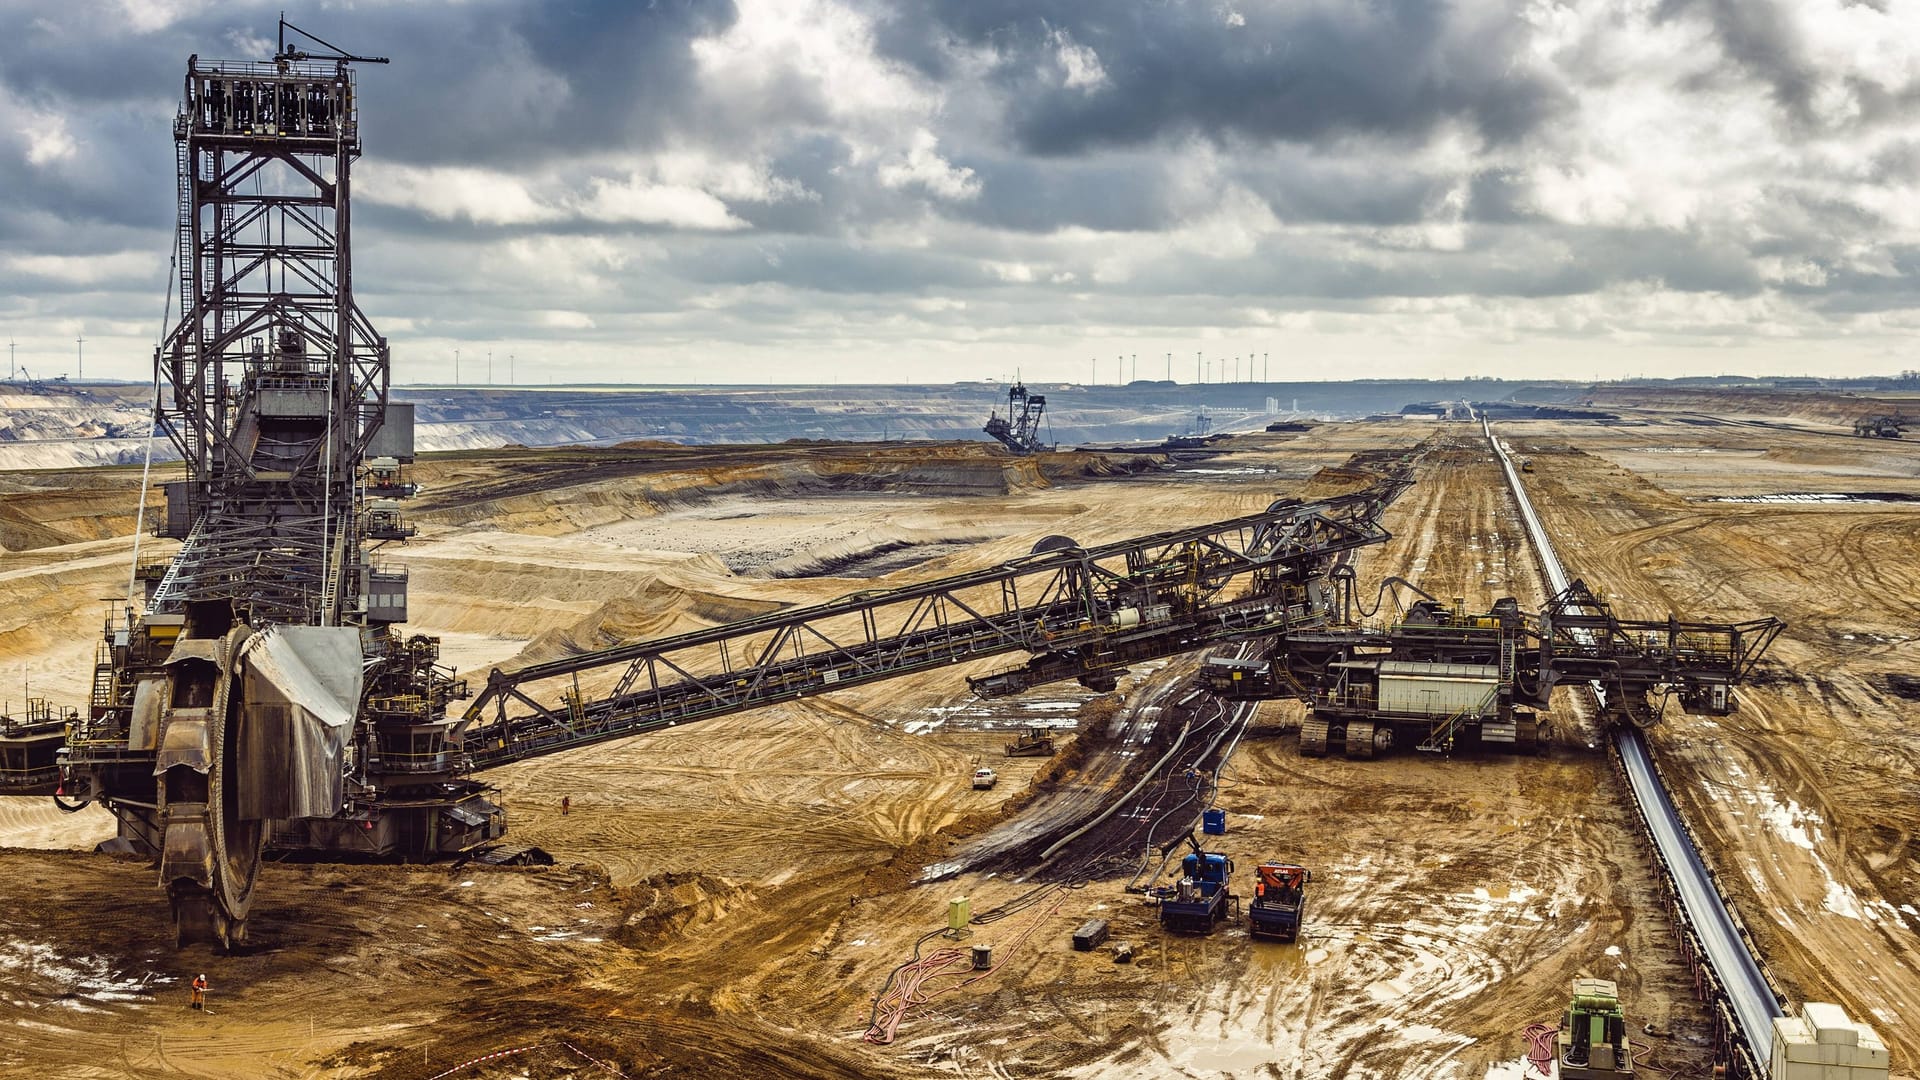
(1083, 614)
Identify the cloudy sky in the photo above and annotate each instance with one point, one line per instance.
(798, 190)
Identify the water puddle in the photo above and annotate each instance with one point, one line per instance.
(1819, 497)
(1010, 715)
(35, 974)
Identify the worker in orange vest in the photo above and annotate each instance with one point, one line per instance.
(199, 992)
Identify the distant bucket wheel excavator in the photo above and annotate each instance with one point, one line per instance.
(211, 850)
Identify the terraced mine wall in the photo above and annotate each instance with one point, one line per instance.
(58, 426)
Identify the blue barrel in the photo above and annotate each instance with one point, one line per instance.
(1214, 823)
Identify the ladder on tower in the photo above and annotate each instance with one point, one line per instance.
(182, 572)
(184, 256)
(335, 570)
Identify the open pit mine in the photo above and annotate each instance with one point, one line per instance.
(1566, 733)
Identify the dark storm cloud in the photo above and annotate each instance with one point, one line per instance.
(519, 80)
(1370, 190)
(490, 80)
(986, 167)
(1040, 196)
(1846, 291)
(1305, 73)
(1759, 38)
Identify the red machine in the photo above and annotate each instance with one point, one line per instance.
(1279, 901)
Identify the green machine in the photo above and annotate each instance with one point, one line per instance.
(1593, 1035)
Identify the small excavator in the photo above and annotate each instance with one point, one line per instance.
(1279, 902)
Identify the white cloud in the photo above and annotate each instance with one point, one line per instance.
(48, 140)
(922, 166)
(147, 16)
(445, 193)
(566, 320)
(729, 179)
(642, 202)
(85, 269)
(45, 136)
(774, 47)
(1080, 63)
(569, 266)
(491, 197)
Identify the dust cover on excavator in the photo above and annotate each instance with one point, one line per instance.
(303, 688)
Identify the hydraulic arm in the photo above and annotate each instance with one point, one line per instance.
(1083, 613)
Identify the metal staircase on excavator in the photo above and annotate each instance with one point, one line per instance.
(1441, 737)
(182, 570)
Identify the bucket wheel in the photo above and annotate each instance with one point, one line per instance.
(212, 855)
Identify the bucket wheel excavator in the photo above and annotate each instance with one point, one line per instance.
(210, 853)
(1438, 677)
(227, 713)
(262, 701)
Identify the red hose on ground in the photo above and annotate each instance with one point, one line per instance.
(1540, 1046)
(909, 989)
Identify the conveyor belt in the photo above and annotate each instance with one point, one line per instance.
(1747, 993)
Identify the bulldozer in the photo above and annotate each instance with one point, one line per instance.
(1033, 742)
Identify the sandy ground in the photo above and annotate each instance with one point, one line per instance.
(732, 895)
(1810, 793)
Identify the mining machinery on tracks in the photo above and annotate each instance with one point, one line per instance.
(1019, 430)
(1080, 613)
(262, 699)
(1440, 678)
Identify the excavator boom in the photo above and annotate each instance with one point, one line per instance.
(1083, 613)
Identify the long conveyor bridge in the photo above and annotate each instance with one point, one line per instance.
(1082, 613)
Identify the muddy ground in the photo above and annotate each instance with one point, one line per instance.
(732, 895)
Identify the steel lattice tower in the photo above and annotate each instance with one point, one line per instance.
(278, 383)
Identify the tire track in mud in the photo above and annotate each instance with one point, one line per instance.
(1766, 786)
(1435, 926)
